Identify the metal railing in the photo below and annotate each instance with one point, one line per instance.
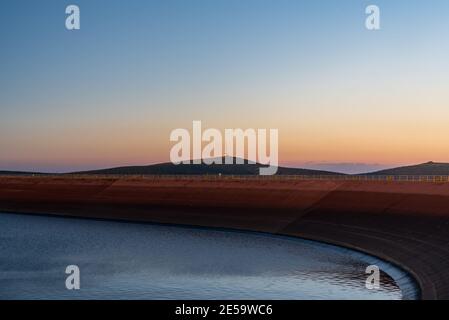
(385, 178)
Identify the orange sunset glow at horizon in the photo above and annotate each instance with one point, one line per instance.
(338, 94)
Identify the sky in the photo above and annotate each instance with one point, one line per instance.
(109, 94)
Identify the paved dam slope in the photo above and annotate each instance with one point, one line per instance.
(406, 223)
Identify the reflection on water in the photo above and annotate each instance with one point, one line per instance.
(142, 261)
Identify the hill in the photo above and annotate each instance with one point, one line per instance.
(428, 168)
(19, 173)
(203, 169)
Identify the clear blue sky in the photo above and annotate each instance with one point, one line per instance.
(110, 93)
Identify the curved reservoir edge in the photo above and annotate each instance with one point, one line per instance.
(407, 283)
(404, 279)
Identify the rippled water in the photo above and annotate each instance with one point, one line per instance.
(142, 261)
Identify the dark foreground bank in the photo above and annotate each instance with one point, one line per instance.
(404, 223)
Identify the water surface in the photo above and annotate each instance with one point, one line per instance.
(142, 261)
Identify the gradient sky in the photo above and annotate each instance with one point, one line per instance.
(110, 93)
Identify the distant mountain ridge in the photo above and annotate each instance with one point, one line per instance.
(428, 168)
(18, 173)
(204, 169)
